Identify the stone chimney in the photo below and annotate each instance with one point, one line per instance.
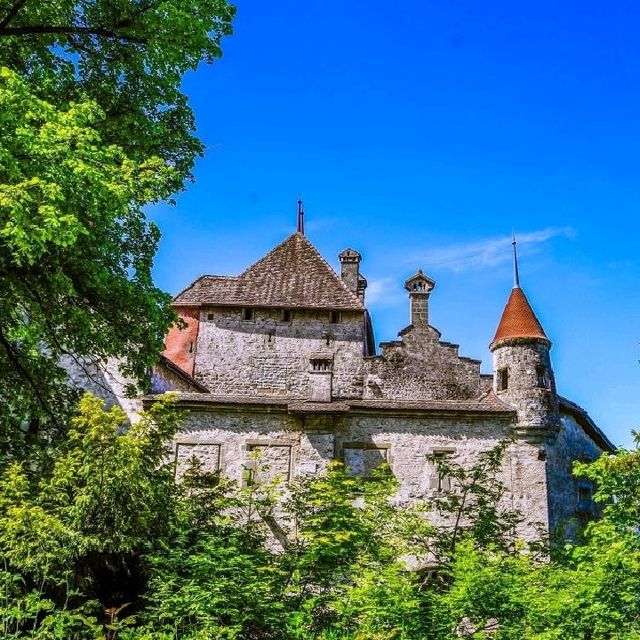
(419, 287)
(320, 377)
(350, 269)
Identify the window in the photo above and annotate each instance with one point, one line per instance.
(439, 480)
(198, 463)
(247, 313)
(361, 459)
(334, 317)
(503, 379)
(585, 504)
(542, 374)
(287, 315)
(209, 316)
(321, 364)
(267, 463)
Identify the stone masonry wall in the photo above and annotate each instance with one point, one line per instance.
(269, 357)
(536, 406)
(420, 367)
(571, 444)
(289, 447)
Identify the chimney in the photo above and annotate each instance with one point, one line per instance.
(419, 287)
(350, 269)
(320, 377)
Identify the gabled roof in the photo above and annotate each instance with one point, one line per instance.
(292, 275)
(585, 421)
(518, 320)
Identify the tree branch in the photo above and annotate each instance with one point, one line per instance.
(75, 30)
(17, 5)
(13, 356)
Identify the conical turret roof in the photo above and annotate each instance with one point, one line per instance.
(518, 321)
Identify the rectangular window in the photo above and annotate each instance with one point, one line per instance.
(585, 504)
(440, 480)
(542, 374)
(267, 463)
(247, 313)
(361, 459)
(210, 316)
(334, 317)
(503, 379)
(198, 463)
(287, 315)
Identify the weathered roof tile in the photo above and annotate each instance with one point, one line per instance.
(518, 320)
(292, 275)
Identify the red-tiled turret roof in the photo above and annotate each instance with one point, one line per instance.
(518, 320)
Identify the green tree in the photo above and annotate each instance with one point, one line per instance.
(93, 127)
(72, 538)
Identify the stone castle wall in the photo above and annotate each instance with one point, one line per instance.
(565, 503)
(537, 405)
(421, 367)
(289, 445)
(266, 356)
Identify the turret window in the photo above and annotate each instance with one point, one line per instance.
(503, 379)
(542, 374)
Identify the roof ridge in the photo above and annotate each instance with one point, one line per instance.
(267, 255)
(333, 271)
(309, 245)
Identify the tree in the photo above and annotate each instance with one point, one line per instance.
(72, 537)
(93, 127)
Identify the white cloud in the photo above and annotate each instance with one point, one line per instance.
(382, 291)
(491, 252)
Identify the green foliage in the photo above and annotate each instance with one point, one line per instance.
(127, 56)
(71, 538)
(106, 545)
(93, 127)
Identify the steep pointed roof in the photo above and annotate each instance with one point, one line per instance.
(518, 320)
(292, 275)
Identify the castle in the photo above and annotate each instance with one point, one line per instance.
(281, 360)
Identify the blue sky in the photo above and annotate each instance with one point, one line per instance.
(420, 134)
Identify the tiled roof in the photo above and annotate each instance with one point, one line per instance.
(518, 320)
(584, 419)
(292, 275)
(181, 373)
(480, 406)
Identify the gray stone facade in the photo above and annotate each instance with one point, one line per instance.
(284, 372)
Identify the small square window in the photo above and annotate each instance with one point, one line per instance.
(209, 316)
(503, 379)
(334, 317)
(247, 313)
(287, 315)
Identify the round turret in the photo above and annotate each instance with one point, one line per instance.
(523, 376)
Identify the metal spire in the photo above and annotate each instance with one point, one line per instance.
(516, 275)
(300, 218)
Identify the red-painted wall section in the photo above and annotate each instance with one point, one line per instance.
(180, 344)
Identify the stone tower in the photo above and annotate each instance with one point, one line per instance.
(523, 376)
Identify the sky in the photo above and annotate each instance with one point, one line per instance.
(421, 134)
